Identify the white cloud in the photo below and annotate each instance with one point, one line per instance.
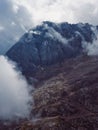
(91, 48)
(62, 10)
(54, 34)
(1, 28)
(14, 92)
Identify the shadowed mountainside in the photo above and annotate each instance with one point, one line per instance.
(65, 97)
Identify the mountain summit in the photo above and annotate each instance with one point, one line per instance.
(51, 43)
(65, 91)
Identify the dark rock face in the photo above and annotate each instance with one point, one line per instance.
(50, 43)
(69, 97)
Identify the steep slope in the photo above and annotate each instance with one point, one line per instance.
(65, 98)
(51, 43)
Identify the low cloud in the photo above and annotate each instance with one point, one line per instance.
(55, 35)
(91, 48)
(14, 92)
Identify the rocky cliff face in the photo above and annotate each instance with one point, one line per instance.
(65, 97)
(51, 43)
(66, 91)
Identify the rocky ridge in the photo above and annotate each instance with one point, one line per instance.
(51, 43)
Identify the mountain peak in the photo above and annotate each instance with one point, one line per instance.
(51, 43)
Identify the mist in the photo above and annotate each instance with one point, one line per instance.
(91, 48)
(14, 92)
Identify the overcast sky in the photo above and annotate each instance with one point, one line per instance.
(17, 16)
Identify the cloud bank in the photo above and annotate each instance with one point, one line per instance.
(62, 10)
(91, 48)
(14, 93)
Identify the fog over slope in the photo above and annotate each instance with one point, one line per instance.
(14, 92)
